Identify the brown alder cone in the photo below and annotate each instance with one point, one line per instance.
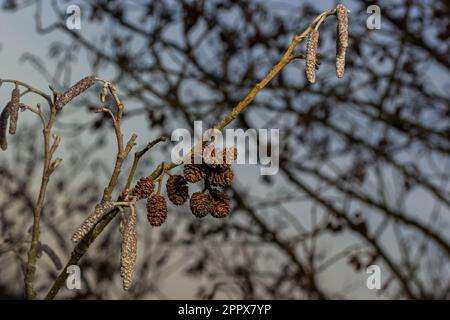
(14, 106)
(156, 210)
(128, 251)
(311, 56)
(177, 190)
(230, 155)
(194, 172)
(220, 204)
(74, 91)
(200, 204)
(144, 188)
(3, 127)
(342, 39)
(220, 178)
(100, 211)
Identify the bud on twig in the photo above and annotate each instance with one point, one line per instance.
(74, 91)
(311, 52)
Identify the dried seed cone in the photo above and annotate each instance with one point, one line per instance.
(144, 188)
(74, 91)
(220, 205)
(100, 211)
(177, 189)
(220, 179)
(200, 204)
(156, 210)
(128, 252)
(14, 110)
(194, 172)
(311, 56)
(3, 127)
(342, 39)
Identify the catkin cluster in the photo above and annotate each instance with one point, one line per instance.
(101, 210)
(341, 46)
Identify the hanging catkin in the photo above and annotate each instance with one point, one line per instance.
(14, 106)
(342, 39)
(311, 56)
(74, 91)
(3, 127)
(128, 250)
(100, 211)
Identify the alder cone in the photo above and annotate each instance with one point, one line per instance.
(144, 188)
(14, 110)
(220, 205)
(177, 189)
(220, 178)
(156, 210)
(74, 91)
(200, 204)
(311, 56)
(194, 172)
(342, 39)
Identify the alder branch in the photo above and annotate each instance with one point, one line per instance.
(83, 246)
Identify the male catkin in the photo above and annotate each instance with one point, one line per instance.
(128, 251)
(102, 209)
(3, 126)
(74, 91)
(342, 39)
(14, 105)
(311, 56)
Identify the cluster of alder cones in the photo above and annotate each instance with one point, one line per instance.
(212, 200)
(341, 46)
